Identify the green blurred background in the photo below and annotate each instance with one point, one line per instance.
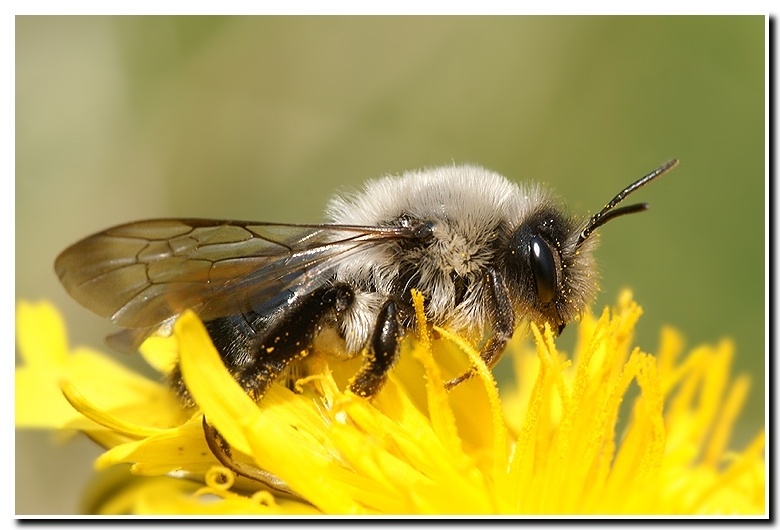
(263, 118)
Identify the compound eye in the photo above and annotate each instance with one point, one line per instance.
(543, 267)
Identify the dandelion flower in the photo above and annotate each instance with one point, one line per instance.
(554, 442)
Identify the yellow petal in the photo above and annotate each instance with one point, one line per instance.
(164, 499)
(500, 464)
(284, 451)
(415, 448)
(39, 403)
(221, 399)
(162, 353)
(442, 418)
(181, 448)
(102, 417)
(40, 335)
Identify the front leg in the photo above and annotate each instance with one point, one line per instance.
(502, 318)
(381, 355)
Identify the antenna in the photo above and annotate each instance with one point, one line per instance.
(608, 212)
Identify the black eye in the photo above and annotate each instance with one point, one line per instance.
(543, 267)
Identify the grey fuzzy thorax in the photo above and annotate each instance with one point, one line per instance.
(469, 207)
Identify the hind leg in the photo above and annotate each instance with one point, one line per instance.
(258, 362)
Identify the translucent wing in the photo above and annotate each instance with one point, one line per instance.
(141, 274)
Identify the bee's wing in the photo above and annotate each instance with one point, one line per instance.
(141, 274)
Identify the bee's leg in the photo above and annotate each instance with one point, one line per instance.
(381, 354)
(502, 318)
(222, 452)
(257, 362)
(291, 336)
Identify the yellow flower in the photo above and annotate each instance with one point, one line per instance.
(560, 441)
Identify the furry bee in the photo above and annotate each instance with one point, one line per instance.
(485, 252)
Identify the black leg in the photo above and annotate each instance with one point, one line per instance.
(502, 318)
(223, 452)
(291, 337)
(381, 355)
(256, 357)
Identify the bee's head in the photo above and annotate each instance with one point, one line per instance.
(548, 259)
(552, 278)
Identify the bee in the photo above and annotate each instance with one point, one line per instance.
(486, 253)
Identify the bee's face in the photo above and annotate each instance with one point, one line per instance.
(548, 261)
(552, 278)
